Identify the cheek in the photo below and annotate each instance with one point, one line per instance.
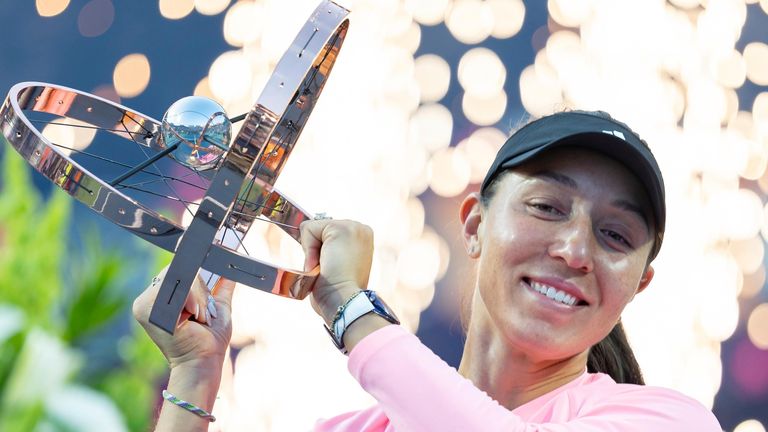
(621, 281)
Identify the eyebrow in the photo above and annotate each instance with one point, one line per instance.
(571, 184)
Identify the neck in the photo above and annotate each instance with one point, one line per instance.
(511, 376)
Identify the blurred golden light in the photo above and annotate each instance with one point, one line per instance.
(243, 23)
(756, 59)
(481, 72)
(484, 111)
(731, 105)
(707, 104)
(541, 94)
(69, 134)
(62, 136)
(203, 89)
(731, 70)
(49, 8)
(565, 55)
(470, 21)
(480, 148)
(450, 172)
(230, 76)
(176, 9)
(431, 127)
(764, 227)
(418, 170)
(760, 113)
(751, 425)
(757, 326)
(410, 39)
(416, 214)
(570, 13)
(738, 214)
(433, 75)
(211, 7)
(756, 162)
(748, 253)
(718, 311)
(428, 12)
(131, 75)
(508, 17)
(443, 250)
(753, 283)
(418, 263)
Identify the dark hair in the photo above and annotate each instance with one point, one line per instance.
(613, 355)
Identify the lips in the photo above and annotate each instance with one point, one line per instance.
(557, 291)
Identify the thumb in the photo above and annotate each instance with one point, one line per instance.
(223, 291)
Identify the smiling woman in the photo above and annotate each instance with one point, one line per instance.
(564, 229)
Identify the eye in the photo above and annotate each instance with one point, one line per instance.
(613, 235)
(545, 209)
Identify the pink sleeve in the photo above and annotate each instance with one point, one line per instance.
(420, 392)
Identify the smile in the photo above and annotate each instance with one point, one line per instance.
(555, 294)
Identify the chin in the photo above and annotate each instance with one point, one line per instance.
(540, 345)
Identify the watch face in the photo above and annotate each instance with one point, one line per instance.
(356, 307)
(381, 308)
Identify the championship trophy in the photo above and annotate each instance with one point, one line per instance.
(136, 167)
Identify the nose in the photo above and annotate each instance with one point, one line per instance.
(574, 244)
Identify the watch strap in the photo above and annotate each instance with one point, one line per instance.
(360, 304)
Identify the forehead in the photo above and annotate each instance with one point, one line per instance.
(587, 171)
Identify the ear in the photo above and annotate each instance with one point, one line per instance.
(646, 279)
(471, 216)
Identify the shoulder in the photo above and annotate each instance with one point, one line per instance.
(654, 405)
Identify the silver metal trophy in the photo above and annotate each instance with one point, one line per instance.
(137, 168)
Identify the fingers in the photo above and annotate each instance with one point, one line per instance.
(311, 240)
(199, 305)
(342, 248)
(143, 303)
(222, 292)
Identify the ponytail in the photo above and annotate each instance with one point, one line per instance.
(613, 356)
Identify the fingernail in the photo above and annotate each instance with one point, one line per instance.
(207, 319)
(212, 306)
(197, 311)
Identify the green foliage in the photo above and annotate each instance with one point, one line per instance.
(94, 302)
(33, 245)
(59, 306)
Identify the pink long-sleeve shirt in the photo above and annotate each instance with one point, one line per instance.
(418, 392)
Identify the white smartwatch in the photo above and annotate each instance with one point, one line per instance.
(362, 303)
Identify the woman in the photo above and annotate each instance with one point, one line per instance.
(564, 229)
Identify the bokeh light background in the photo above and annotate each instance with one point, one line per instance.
(422, 95)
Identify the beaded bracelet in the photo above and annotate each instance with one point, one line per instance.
(188, 406)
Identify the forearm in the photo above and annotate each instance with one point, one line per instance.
(197, 384)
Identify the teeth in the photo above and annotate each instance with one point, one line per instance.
(554, 293)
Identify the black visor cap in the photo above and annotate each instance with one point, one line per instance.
(593, 131)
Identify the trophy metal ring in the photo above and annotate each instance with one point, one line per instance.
(233, 191)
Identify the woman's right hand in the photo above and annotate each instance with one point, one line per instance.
(201, 337)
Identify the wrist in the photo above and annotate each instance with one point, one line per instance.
(197, 363)
(330, 299)
(196, 383)
(362, 307)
